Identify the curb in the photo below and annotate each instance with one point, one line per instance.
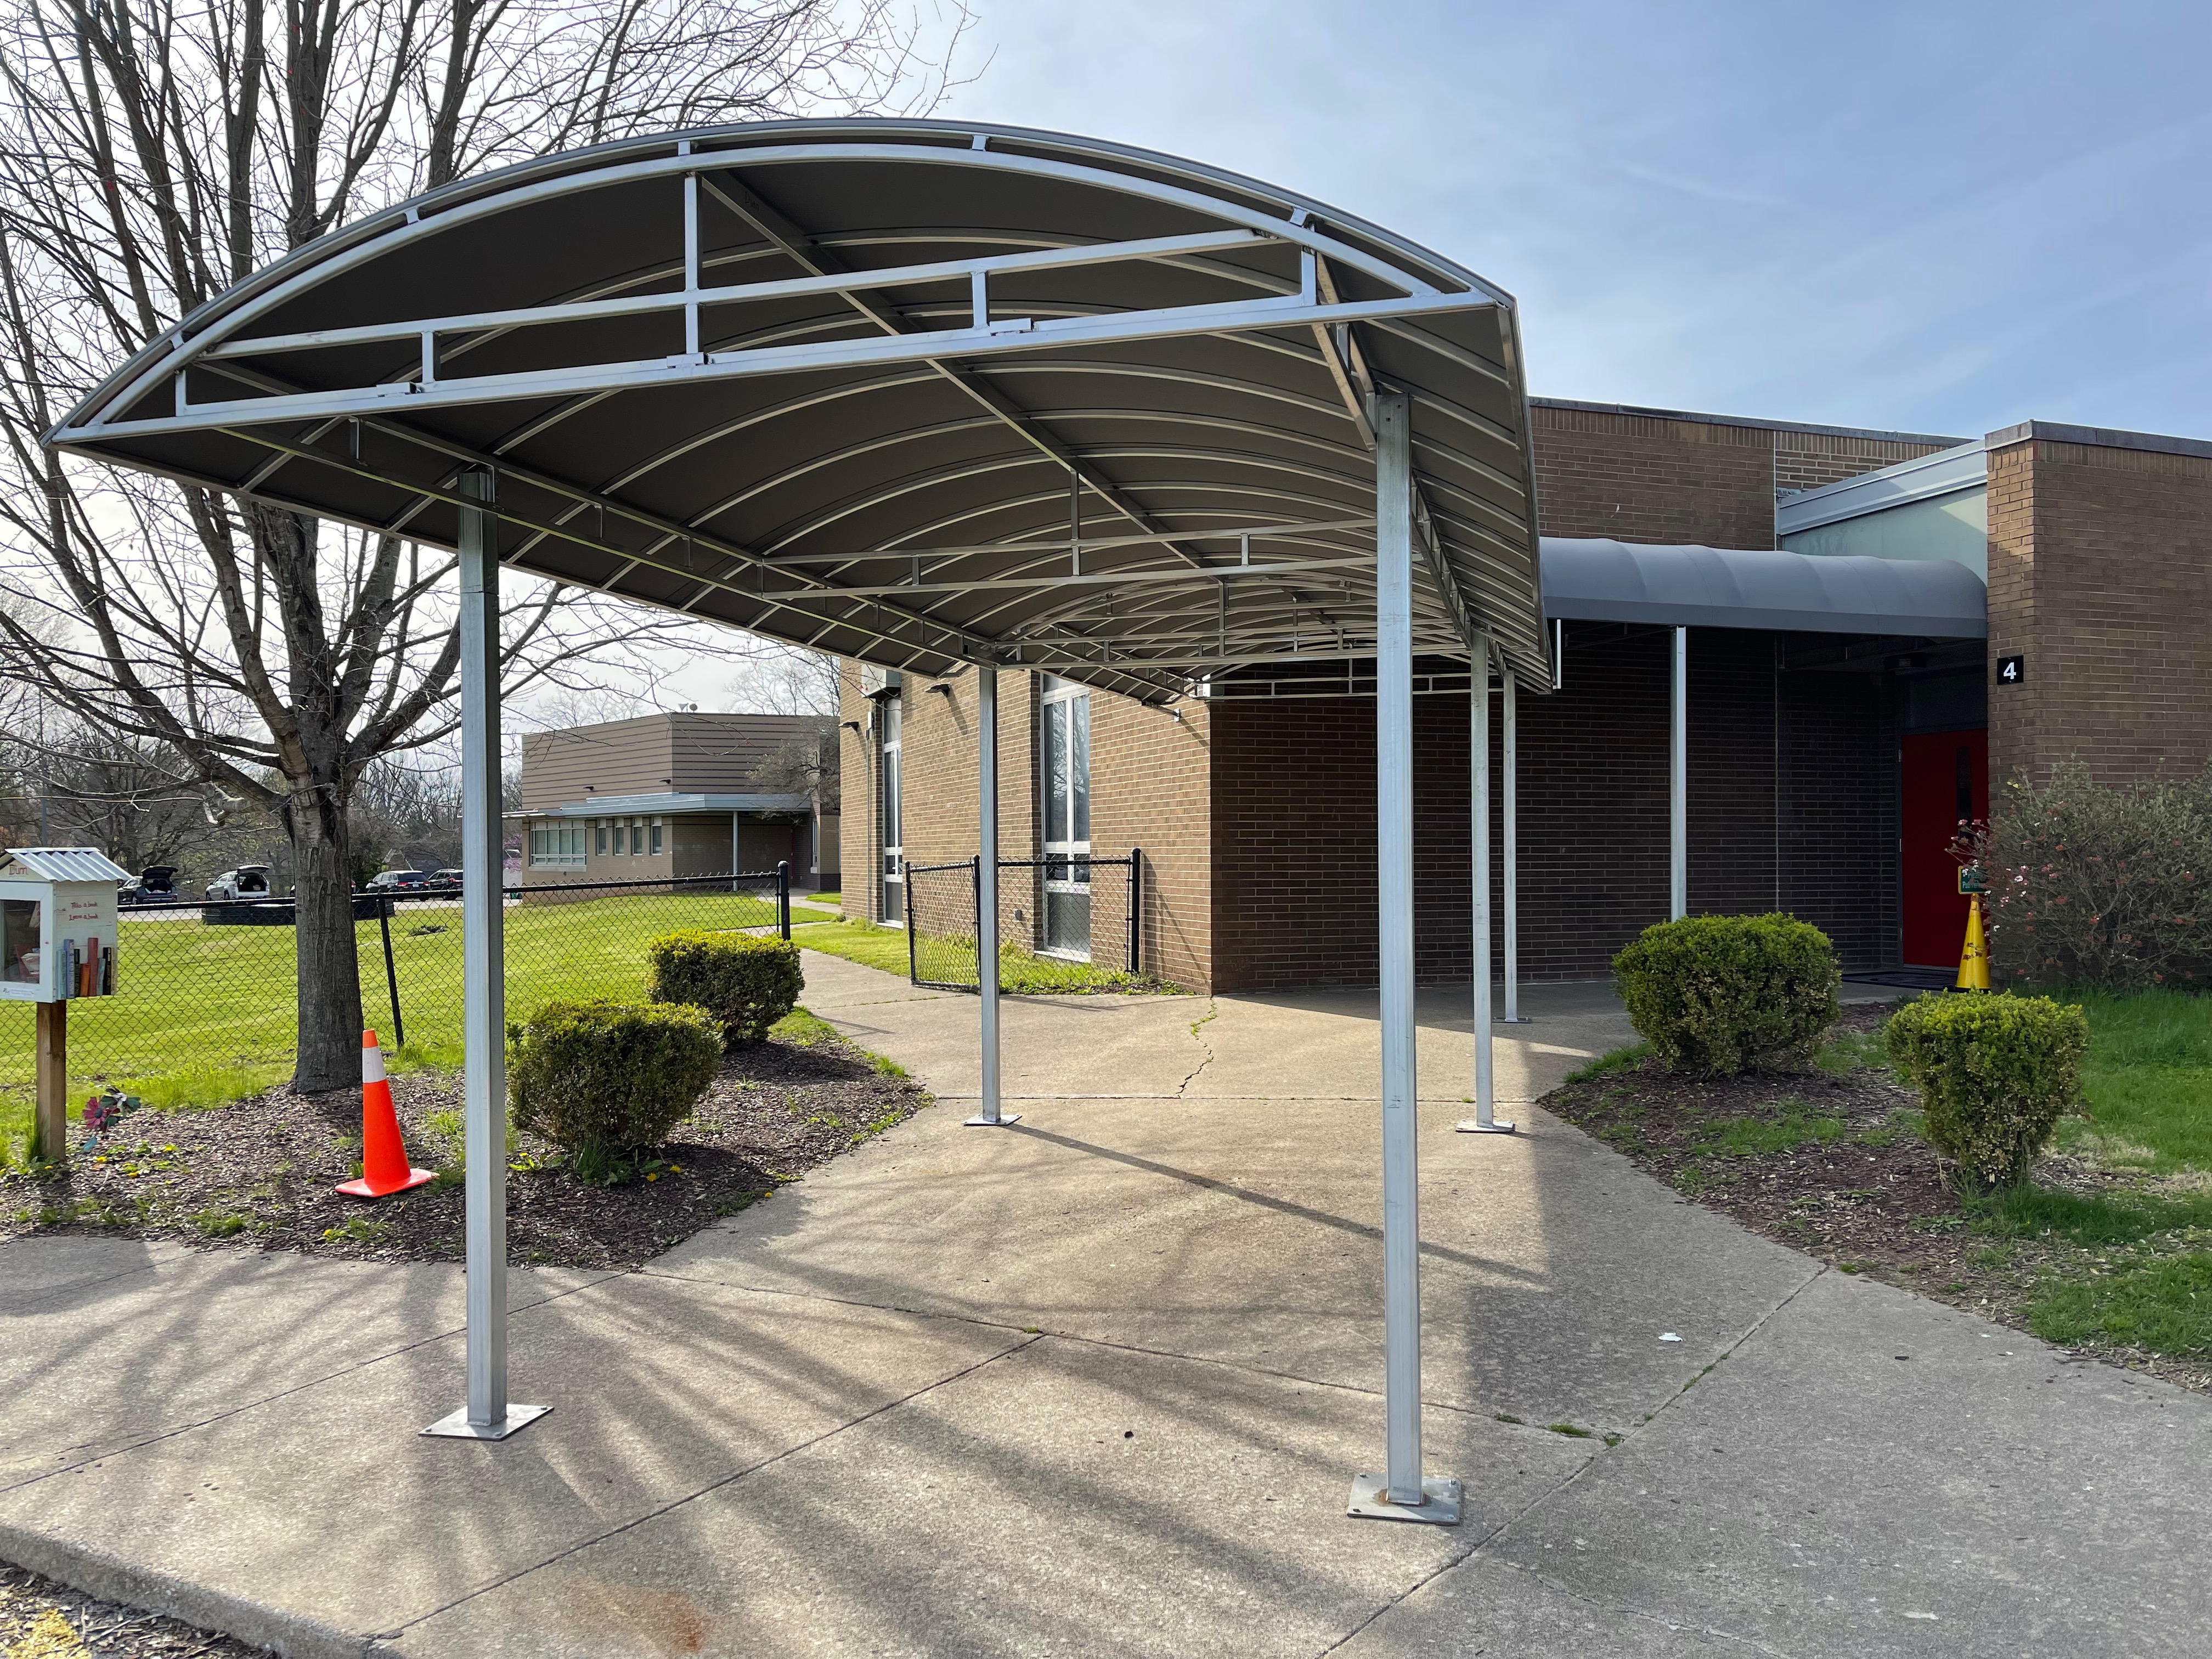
(97, 1573)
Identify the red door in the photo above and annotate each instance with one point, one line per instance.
(1944, 777)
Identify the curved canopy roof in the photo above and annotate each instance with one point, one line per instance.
(1602, 581)
(917, 392)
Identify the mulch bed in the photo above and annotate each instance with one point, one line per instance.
(258, 1173)
(39, 1618)
(1870, 1196)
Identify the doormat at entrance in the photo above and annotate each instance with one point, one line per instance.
(1908, 979)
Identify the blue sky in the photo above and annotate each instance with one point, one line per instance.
(1941, 217)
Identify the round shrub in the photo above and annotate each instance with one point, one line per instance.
(745, 980)
(1721, 995)
(607, 1080)
(1995, 1074)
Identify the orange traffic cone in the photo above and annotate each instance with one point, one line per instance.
(384, 1166)
(1974, 956)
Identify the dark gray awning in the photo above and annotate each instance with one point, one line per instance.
(1601, 581)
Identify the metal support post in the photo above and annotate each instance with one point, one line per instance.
(1401, 1493)
(1511, 815)
(391, 971)
(783, 898)
(987, 891)
(1678, 778)
(1484, 1120)
(488, 1415)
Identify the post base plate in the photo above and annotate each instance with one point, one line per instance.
(1371, 1501)
(457, 1426)
(979, 1121)
(1469, 1127)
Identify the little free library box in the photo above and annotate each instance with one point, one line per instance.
(57, 939)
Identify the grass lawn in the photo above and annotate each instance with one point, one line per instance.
(207, 1014)
(2109, 1248)
(1021, 973)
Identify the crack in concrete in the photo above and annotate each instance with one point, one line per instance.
(1213, 1013)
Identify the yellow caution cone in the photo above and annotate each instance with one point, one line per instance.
(1974, 957)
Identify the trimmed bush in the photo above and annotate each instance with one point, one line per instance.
(747, 981)
(605, 1081)
(1995, 1074)
(1723, 994)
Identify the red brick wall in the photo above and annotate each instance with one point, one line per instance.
(2100, 572)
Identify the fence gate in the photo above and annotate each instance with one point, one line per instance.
(1063, 913)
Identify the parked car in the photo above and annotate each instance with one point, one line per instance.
(446, 881)
(155, 885)
(248, 881)
(399, 881)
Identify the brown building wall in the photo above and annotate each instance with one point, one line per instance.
(1257, 819)
(1655, 476)
(2100, 574)
(1792, 807)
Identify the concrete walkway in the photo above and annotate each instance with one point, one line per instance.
(1097, 1384)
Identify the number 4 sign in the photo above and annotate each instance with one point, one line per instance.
(2011, 671)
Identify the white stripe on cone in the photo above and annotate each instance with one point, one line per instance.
(372, 1059)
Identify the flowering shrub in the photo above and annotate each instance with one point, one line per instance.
(2089, 885)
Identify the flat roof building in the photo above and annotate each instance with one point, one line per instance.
(1877, 623)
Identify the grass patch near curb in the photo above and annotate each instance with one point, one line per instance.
(1021, 972)
(2163, 1305)
(1617, 1059)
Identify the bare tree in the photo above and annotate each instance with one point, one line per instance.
(152, 153)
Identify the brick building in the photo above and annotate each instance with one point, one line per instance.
(674, 795)
(1825, 770)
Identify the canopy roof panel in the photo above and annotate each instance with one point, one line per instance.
(916, 392)
(1597, 579)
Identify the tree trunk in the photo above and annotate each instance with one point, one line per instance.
(330, 969)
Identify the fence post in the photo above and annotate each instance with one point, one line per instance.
(906, 897)
(1136, 907)
(783, 896)
(391, 972)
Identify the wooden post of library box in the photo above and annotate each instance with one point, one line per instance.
(57, 939)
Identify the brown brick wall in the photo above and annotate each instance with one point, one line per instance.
(1792, 807)
(1648, 478)
(1148, 790)
(2100, 572)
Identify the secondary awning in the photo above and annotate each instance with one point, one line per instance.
(916, 393)
(1601, 581)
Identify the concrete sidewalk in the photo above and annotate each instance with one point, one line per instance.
(1097, 1384)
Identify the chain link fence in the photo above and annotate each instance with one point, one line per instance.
(206, 989)
(1063, 921)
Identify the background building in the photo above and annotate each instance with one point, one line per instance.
(680, 794)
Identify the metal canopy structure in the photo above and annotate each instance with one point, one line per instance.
(914, 392)
(921, 394)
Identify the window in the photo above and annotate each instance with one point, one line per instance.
(1066, 819)
(556, 844)
(892, 725)
(656, 834)
(599, 837)
(18, 940)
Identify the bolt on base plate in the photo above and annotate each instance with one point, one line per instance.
(457, 1426)
(1371, 1501)
(979, 1121)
